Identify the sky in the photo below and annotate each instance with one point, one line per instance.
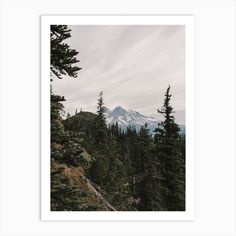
(132, 64)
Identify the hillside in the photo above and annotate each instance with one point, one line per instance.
(76, 186)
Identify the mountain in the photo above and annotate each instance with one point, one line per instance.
(83, 120)
(126, 118)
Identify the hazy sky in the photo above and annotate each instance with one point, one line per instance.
(132, 65)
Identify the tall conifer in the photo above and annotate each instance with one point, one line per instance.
(101, 128)
(167, 140)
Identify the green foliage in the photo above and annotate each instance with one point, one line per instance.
(68, 192)
(57, 129)
(83, 123)
(66, 151)
(94, 166)
(172, 160)
(74, 154)
(63, 57)
(100, 123)
(149, 173)
(135, 170)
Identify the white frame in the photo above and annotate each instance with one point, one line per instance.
(20, 117)
(188, 21)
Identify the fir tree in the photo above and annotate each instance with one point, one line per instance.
(101, 128)
(167, 141)
(57, 128)
(100, 167)
(66, 151)
(148, 173)
(63, 58)
(132, 169)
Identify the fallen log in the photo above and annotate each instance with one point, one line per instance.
(97, 194)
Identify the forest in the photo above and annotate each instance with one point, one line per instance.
(100, 167)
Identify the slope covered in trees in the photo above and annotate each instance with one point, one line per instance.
(95, 167)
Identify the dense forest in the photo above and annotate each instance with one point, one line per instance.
(100, 167)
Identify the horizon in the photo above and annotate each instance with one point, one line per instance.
(156, 115)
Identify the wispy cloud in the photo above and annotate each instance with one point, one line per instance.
(133, 65)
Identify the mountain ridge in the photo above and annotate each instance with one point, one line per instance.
(127, 117)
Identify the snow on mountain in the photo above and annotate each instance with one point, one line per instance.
(126, 118)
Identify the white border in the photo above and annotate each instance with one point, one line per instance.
(46, 214)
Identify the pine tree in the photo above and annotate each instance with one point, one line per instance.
(144, 143)
(63, 58)
(57, 129)
(101, 128)
(117, 182)
(148, 173)
(66, 151)
(130, 149)
(100, 167)
(167, 140)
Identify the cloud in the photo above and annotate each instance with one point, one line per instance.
(133, 65)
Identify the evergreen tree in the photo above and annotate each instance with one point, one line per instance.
(167, 141)
(101, 128)
(117, 183)
(148, 173)
(130, 150)
(131, 169)
(66, 151)
(100, 167)
(144, 143)
(57, 128)
(69, 193)
(84, 125)
(63, 58)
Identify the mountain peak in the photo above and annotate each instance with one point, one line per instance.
(119, 108)
(126, 118)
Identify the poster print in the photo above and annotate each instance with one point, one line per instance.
(118, 118)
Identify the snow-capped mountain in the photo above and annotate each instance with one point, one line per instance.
(126, 118)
